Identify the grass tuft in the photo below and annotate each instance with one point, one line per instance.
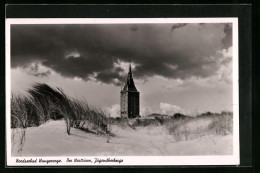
(45, 102)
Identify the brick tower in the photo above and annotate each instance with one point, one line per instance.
(129, 98)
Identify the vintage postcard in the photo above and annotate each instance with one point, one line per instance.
(122, 91)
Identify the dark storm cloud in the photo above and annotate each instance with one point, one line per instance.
(92, 50)
(227, 41)
(179, 25)
(133, 28)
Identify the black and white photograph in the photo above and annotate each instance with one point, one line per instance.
(122, 91)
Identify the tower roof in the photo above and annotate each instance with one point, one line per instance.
(130, 85)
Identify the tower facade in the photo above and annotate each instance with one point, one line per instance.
(129, 98)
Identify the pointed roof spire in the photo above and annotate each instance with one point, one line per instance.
(130, 71)
(129, 86)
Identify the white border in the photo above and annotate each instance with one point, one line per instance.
(131, 160)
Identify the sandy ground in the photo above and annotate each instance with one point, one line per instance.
(51, 139)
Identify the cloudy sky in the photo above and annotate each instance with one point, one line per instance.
(176, 67)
